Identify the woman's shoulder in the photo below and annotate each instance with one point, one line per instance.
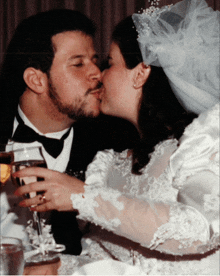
(198, 148)
(202, 135)
(203, 131)
(207, 123)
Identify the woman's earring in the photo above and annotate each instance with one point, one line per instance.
(134, 85)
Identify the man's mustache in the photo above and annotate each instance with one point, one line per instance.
(98, 86)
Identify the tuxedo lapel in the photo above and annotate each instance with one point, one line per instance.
(75, 166)
(84, 147)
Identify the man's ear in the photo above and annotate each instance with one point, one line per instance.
(142, 72)
(35, 79)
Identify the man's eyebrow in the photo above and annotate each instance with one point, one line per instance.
(82, 56)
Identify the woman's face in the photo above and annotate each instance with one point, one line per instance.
(119, 97)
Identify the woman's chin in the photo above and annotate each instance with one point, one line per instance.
(103, 109)
(110, 110)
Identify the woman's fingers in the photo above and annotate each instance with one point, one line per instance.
(38, 186)
(32, 202)
(57, 188)
(35, 171)
(43, 207)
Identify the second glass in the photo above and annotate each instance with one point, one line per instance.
(11, 256)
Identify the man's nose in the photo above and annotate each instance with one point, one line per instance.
(96, 73)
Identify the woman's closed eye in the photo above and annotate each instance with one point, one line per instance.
(80, 64)
(107, 63)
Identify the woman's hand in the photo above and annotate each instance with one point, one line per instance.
(57, 188)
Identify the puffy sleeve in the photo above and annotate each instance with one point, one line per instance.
(195, 168)
(168, 227)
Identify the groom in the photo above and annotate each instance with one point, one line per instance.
(50, 86)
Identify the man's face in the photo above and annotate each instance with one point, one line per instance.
(74, 78)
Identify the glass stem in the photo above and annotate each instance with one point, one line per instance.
(36, 217)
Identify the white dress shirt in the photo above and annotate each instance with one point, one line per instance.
(57, 164)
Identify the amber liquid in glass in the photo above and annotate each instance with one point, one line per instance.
(5, 168)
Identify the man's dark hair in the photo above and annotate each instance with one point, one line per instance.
(160, 114)
(31, 46)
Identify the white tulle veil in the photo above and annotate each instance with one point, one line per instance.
(184, 40)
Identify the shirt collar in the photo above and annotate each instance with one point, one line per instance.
(56, 135)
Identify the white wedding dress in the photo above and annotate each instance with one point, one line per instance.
(165, 220)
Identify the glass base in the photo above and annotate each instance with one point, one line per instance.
(39, 258)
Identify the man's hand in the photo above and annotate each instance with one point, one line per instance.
(56, 187)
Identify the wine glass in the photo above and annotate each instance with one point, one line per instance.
(27, 157)
(41, 239)
(6, 158)
(11, 256)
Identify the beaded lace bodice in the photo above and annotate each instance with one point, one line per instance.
(147, 209)
(147, 185)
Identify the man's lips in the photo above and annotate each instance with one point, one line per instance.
(96, 93)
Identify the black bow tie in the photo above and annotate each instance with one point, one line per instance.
(25, 134)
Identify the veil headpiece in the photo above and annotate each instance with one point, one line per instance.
(184, 40)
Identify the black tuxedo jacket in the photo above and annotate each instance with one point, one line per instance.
(90, 136)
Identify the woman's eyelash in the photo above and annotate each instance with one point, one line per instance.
(109, 64)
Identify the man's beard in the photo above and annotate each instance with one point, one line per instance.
(74, 111)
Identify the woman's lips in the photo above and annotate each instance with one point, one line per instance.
(96, 94)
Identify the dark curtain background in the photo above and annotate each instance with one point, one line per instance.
(105, 13)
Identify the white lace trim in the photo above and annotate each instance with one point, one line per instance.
(144, 186)
(96, 173)
(184, 220)
(211, 203)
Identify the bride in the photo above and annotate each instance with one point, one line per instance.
(158, 203)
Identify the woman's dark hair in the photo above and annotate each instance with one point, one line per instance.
(160, 115)
(31, 46)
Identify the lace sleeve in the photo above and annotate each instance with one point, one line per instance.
(170, 228)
